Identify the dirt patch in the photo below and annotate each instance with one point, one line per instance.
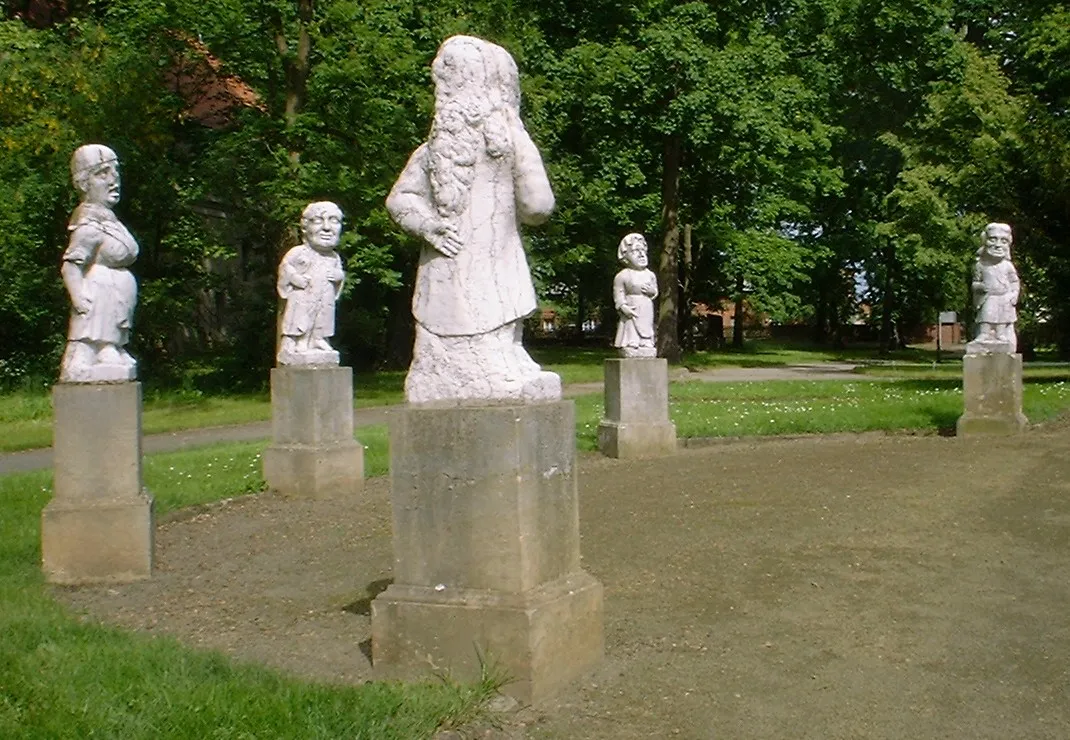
(852, 586)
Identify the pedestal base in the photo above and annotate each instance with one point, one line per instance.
(313, 453)
(486, 549)
(97, 542)
(992, 395)
(98, 528)
(637, 409)
(540, 641)
(627, 441)
(315, 471)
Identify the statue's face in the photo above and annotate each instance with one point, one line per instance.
(636, 254)
(998, 243)
(102, 184)
(322, 230)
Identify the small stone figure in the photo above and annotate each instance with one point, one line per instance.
(995, 293)
(103, 291)
(465, 192)
(310, 281)
(634, 290)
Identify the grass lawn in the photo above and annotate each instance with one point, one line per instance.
(26, 416)
(63, 677)
(705, 409)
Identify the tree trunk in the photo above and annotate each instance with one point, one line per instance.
(685, 293)
(668, 262)
(737, 320)
(887, 333)
(295, 67)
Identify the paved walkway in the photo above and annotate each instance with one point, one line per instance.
(27, 460)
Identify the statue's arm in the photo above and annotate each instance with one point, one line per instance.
(289, 278)
(534, 196)
(341, 273)
(79, 257)
(1015, 284)
(620, 296)
(411, 205)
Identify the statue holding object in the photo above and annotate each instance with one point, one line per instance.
(995, 293)
(310, 281)
(634, 290)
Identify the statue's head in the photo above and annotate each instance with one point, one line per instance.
(632, 250)
(321, 225)
(477, 103)
(996, 240)
(95, 172)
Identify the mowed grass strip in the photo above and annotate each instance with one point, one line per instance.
(64, 677)
(705, 409)
(26, 416)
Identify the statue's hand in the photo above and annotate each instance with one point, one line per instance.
(82, 303)
(335, 276)
(443, 237)
(628, 312)
(301, 281)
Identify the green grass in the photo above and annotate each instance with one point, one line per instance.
(65, 677)
(705, 409)
(573, 364)
(26, 416)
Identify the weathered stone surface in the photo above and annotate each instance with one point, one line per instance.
(313, 452)
(992, 394)
(541, 639)
(310, 281)
(486, 548)
(99, 525)
(634, 290)
(95, 271)
(101, 541)
(995, 288)
(465, 192)
(637, 409)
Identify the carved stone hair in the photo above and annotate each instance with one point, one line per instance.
(628, 243)
(85, 159)
(476, 88)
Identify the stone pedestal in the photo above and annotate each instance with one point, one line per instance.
(487, 550)
(98, 527)
(637, 409)
(992, 392)
(313, 453)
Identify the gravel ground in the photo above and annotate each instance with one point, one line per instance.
(846, 586)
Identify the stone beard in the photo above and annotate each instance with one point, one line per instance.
(465, 192)
(310, 281)
(95, 271)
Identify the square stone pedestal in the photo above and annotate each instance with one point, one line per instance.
(98, 527)
(992, 394)
(486, 550)
(313, 453)
(637, 409)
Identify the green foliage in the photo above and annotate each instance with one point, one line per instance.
(822, 146)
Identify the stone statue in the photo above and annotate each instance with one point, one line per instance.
(310, 281)
(634, 290)
(465, 192)
(103, 291)
(995, 293)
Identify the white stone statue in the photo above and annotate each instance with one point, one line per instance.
(995, 293)
(310, 281)
(103, 291)
(634, 290)
(466, 191)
